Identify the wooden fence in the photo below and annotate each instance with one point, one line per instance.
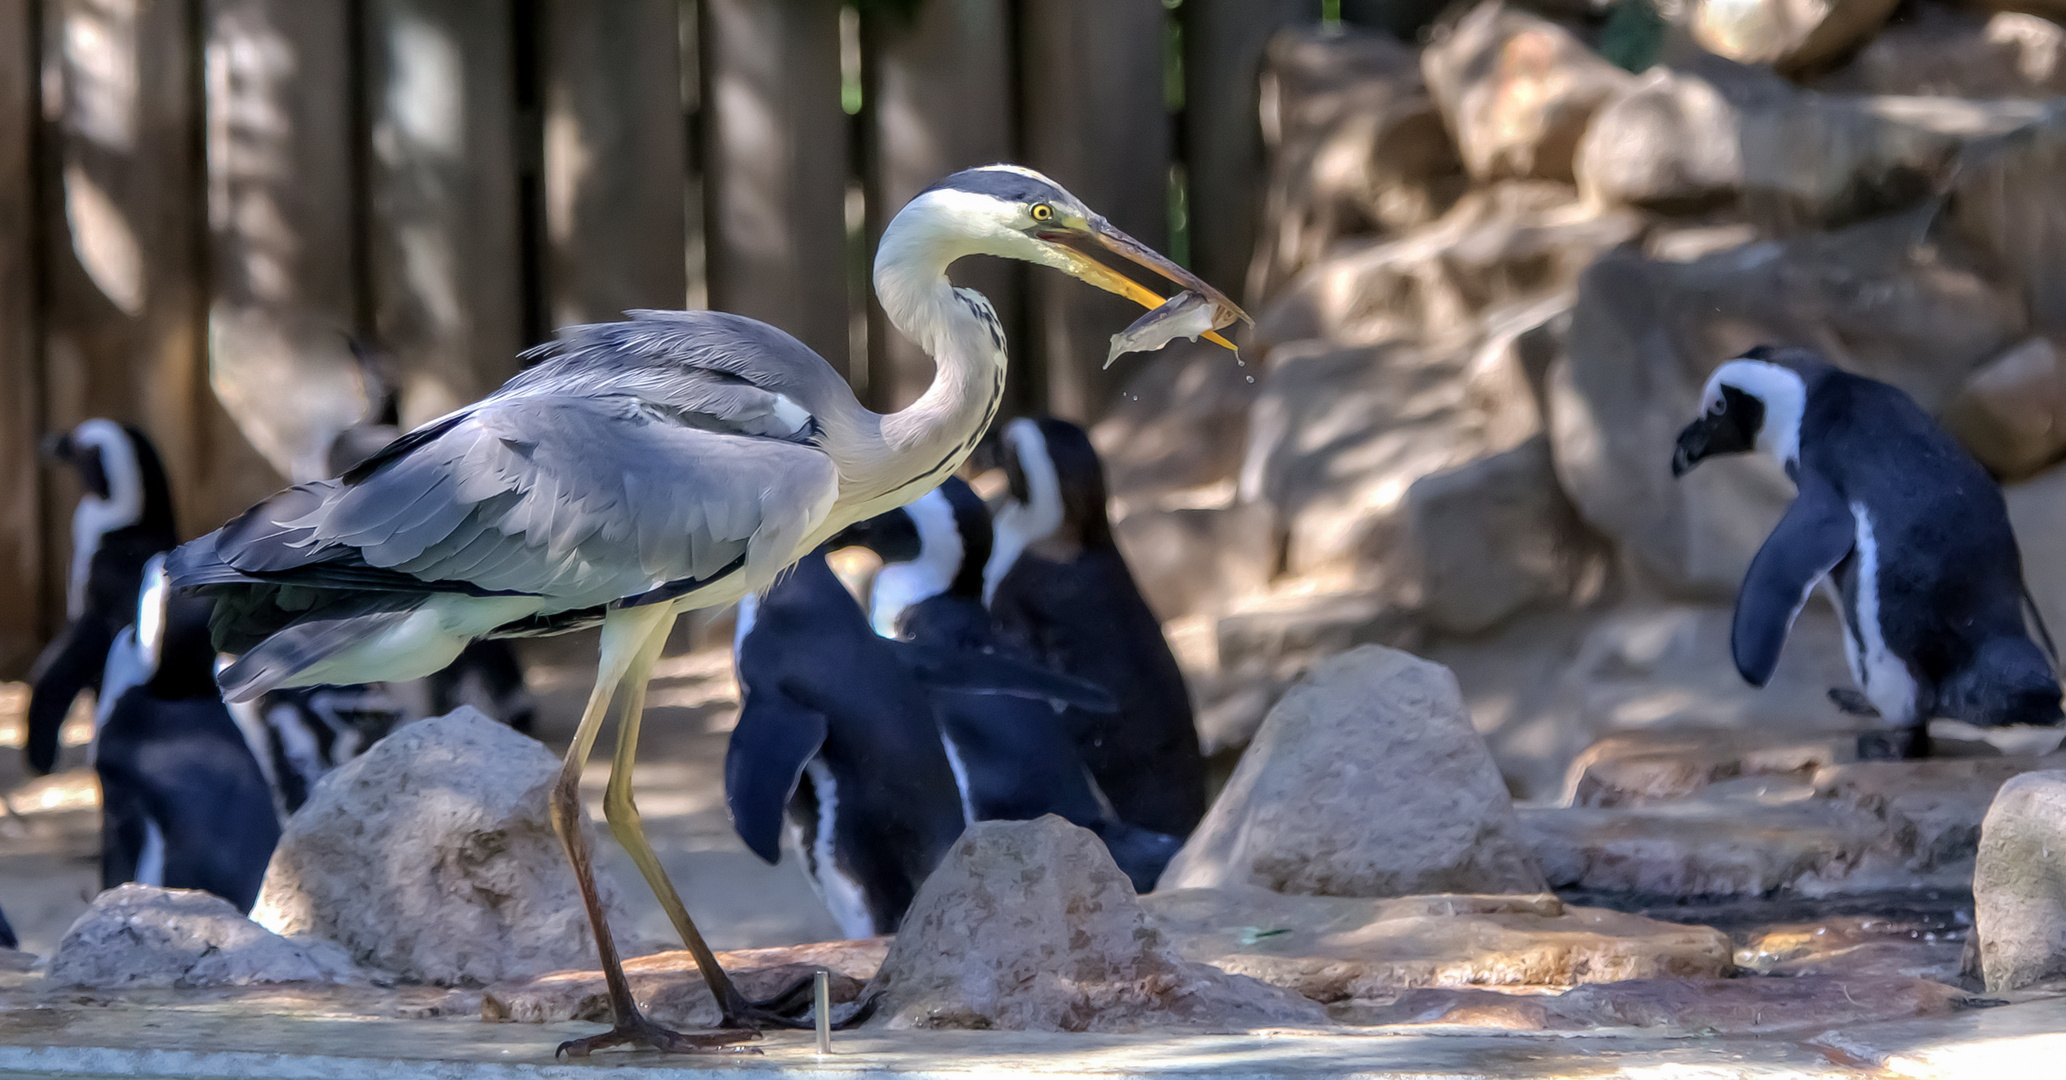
(201, 199)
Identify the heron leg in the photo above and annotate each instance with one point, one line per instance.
(622, 813)
(624, 637)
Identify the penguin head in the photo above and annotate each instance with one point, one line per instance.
(2009, 680)
(1753, 402)
(122, 483)
(938, 544)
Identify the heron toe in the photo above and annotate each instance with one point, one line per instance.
(635, 1030)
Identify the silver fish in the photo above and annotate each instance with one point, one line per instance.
(1187, 314)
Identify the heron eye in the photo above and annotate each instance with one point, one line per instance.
(1042, 211)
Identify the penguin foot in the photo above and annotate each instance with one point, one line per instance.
(1851, 701)
(636, 1030)
(1900, 744)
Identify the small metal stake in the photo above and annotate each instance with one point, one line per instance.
(821, 1003)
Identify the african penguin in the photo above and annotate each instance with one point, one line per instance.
(1013, 759)
(1907, 532)
(1058, 587)
(123, 518)
(7, 938)
(185, 803)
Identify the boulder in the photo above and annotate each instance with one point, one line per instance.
(1372, 735)
(2019, 892)
(1285, 637)
(2007, 199)
(1488, 538)
(1645, 334)
(1667, 143)
(1517, 91)
(2011, 413)
(1709, 846)
(1028, 925)
(1867, 947)
(1355, 146)
(1790, 35)
(1930, 812)
(141, 936)
(2037, 512)
(1333, 949)
(1694, 1006)
(1190, 559)
(1957, 52)
(671, 991)
(1662, 764)
(1149, 440)
(432, 856)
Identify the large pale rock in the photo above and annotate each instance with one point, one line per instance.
(1355, 146)
(1663, 764)
(1930, 812)
(1867, 947)
(2012, 412)
(1332, 948)
(140, 936)
(1188, 559)
(432, 856)
(1028, 925)
(1486, 539)
(1668, 143)
(1692, 1006)
(1646, 333)
(1958, 52)
(1791, 35)
(1149, 441)
(670, 990)
(2019, 888)
(1372, 736)
(1517, 91)
(2009, 198)
(2037, 511)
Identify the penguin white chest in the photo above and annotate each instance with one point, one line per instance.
(1883, 676)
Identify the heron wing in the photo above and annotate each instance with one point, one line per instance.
(582, 498)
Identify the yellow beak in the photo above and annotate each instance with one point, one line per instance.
(1078, 239)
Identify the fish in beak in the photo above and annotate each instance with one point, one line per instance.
(1082, 240)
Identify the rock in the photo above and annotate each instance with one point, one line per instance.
(1149, 441)
(1930, 811)
(2019, 895)
(1663, 764)
(1372, 735)
(2012, 411)
(1871, 947)
(1332, 949)
(1668, 143)
(1193, 559)
(2006, 199)
(1286, 637)
(140, 936)
(1028, 926)
(1956, 52)
(1491, 537)
(1790, 35)
(1699, 1006)
(1355, 146)
(1517, 91)
(2037, 512)
(431, 856)
(670, 991)
(1646, 333)
(1704, 847)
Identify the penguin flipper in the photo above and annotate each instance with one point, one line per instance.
(1814, 535)
(969, 672)
(70, 664)
(774, 739)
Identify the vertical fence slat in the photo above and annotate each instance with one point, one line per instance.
(616, 158)
(1223, 145)
(775, 167)
(280, 219)
(938, 100)
(446, 283)
(123, 226)
(1095, 119)
(21, 518)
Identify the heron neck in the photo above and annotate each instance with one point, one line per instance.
(930, 439)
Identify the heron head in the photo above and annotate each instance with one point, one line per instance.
(1016, 213)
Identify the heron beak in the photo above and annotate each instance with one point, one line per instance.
(1080, 241)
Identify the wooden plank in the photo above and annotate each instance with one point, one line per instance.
(23, 619)
(616, 158)
(935, 104)
(281, 201)
(123, 223)
(1094, 117)
(1223, 142)
(775, 167)
(444, 244)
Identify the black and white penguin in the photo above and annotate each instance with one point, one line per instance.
(1908, 532)
(1057, 586)
(184, 801)
(7, 938)
(123, 518)
(1011, 756)
(304, 732)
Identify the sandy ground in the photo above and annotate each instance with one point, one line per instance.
(49, 827)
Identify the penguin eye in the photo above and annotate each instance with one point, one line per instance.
(1718, 406)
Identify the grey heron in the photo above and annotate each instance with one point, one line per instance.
(640, 469)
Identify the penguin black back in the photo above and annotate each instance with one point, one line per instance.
(1058, 587)
(1910, 532)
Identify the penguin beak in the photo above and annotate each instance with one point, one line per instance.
(1694, 444)
(56, 446)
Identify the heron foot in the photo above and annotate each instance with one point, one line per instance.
(636, 1030)
(790, 1009)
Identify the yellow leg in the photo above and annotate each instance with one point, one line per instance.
(624, 637)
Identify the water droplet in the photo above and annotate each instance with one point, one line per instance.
(1250, 378)
(1238, 362)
